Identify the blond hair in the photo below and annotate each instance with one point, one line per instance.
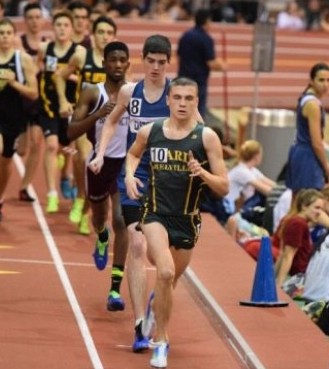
(249, 149)
(325, 193)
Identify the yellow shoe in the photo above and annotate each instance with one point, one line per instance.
(84, 225)
(52, 204)
(76, 210)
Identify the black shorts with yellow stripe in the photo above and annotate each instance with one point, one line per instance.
(55, 126)
(183, 231)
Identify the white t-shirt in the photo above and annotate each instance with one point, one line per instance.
(288, 21)
(317, 274)
(240, 177)
(281, 208)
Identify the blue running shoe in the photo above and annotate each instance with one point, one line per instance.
(141, 343)
(159, 356)
(74, 192)
(115, 302)
(66, 188)
(149, 320)
(101, 254)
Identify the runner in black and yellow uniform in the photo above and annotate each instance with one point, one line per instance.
(31, 136)
(69, 183)
(54, 56)
(185, 157)
(17, 81)
(89, 65)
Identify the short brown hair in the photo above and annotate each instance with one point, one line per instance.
(6, 21)
(64, 13)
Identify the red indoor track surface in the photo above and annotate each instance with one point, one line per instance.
(53, 301)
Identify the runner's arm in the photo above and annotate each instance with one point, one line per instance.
(132, 160)
(81, 121)
(110, 126)
(63, 74)
(216, 179)
(113, 119)
(30, 88)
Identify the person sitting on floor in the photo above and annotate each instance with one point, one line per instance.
(247, 183)
(248, 189)
(316, 285)
(291, 242)
(294, 234)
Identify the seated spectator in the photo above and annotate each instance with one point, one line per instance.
(247, 182)
(312, 287)
(171, 10)
(179, 10)
(222, 11)
(278, 203)
(291, 18)
(294, 234)
(313, 15)
(252, 247)
(282, 207)
(244, 231)
(316, 285)
(241, 211)
(127, 8)
(319, 230)
(324, 23)
(246, 10)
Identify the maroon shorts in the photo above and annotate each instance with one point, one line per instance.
(101, 186)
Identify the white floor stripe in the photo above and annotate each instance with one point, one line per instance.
(237, 341)
(58, 262)
(47, 262)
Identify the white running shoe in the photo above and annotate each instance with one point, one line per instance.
(160, 354)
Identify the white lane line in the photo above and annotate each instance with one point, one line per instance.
(236, 340)
(47, 262)
(44, 262)
(58, 263)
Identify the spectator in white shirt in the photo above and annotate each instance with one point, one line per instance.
(245, 179)
(291, 18)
